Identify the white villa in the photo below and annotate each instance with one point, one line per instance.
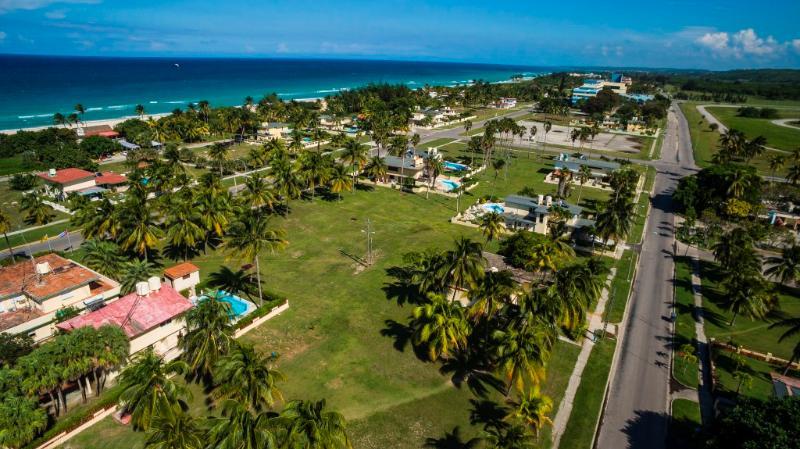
(32, 292)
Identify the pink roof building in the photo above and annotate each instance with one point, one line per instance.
(135, 314)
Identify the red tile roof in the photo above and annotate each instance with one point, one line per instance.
(180, 270)
(110, 178)
(64, 275)
(67, 176)
(133, 313)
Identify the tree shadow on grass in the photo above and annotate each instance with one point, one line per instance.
(364, 187)
(470, 369)
(489, 414)
(403, 290)
(452, 440)
(403, 335)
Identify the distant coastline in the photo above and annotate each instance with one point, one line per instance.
(33, 88)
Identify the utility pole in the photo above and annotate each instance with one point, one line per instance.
(369, 234)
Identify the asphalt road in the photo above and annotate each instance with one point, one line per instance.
(636, 414)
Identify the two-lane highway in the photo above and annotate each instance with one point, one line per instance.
(636, 415)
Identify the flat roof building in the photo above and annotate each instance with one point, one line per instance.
(32, 293)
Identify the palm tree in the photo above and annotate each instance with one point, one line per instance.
(5, 226)
(435, 167)
(148, 388)
(247, 377)
(59, 119)
(688, 354)
(314, 169)
(355, 155)
(37, 212)
(102, 256)
(340, 180)
(793, 331)
(238, 282)
(133, 271)
(178, 430)
(532, 409)
(219, 154)
(492, 225)
(467, 126)
(140, 233)
(522, 351)
(775, 163)
(250, 236)
(615, 221)
(453, 440)
(240, 428)
(183, 231)
(439, 325)
(464, 264)
(258, 193)
(310, 426)
(139, 111)
(21, 420)
(786, 268)
(584, 175)
(495, 289)
(376, 169)
(208, 338)
(749, 295)
(793, 175)
(80, 110)
(731, 247)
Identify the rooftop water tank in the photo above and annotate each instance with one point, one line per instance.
(42, 268)
(142, 288)
(154, 283)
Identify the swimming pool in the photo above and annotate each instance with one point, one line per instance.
(448, 184)
(239, 306)
(306, 140)
(493, 207)
(455, 166)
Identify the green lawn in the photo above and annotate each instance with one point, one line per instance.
(11, 165)
(706, 142)
(761, 384)
(685, 421)
(335, 340)
(586, 407)
(779, 137)
(437, 142)
(752, 334)
(621, 286)
(682, 371)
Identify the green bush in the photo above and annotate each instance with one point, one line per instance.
(72, 421)
(270, 302)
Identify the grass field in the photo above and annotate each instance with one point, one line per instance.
(682, 371)
(779, 137)
(621, 286)
(11, 165)
(586, 407)
(685, 421)
(335, 340)
(760, 384)
(705, 142)
(752, 334)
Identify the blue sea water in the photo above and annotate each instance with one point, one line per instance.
(33, 88)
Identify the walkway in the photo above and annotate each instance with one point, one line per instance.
(595, 323)
(703, 350)
(786, 122)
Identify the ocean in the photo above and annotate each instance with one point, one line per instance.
(33, 88)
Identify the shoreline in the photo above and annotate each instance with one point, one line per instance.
(108, 121)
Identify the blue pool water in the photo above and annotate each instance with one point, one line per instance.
(493, 207)
(306, 139)
(455, 166)
(448, 184)
(238, 305)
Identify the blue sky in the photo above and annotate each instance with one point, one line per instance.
(712, 34)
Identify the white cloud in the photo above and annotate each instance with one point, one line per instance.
(11, 5)
(796, 45)
(714, 41)
(750, 44)
(741, 44)
(2, 36)
(282, 48)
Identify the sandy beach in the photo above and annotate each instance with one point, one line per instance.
(110, 122)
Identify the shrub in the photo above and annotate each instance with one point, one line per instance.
(23, 181)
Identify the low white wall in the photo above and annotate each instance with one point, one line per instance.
(63, 437)
(259, 321)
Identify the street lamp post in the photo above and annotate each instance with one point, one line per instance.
(369, 233)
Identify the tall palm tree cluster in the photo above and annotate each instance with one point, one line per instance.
(502, 340)
(247, 409)
(734, 146)
(81, 359)
(616, 217)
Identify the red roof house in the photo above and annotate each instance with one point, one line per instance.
(110, 179)
(135, 314)
(66, 176)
